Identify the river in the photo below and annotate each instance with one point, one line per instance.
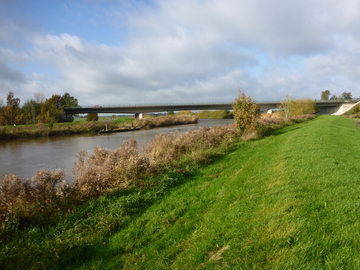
(26, 156)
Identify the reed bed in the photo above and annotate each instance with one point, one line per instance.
(47, 195)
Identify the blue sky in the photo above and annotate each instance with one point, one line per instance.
(125, 51)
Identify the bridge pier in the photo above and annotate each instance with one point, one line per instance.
(139, 116)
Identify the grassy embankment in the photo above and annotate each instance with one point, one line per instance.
(80, 126)
(288, 201)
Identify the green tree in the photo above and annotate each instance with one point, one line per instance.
(31, 110)
(11, 114)
(246, 111)
(52, 110)
(346, 96)
(44, 114)
(54, 106)
(325, 95)
(69, 101)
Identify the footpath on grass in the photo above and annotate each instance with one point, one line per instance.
(288, 201)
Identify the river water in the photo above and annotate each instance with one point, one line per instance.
(26, 156)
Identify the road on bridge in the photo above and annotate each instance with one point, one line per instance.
(326, 107)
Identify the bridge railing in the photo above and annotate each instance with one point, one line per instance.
(161, 104)
(194, 104)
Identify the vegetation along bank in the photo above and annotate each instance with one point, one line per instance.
(48, 223)
(54, 129)
(285, 201)
(45, 117)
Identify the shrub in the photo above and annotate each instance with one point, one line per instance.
(185, 113)
(246, 111)
(162, 121)
(92, 117)
(23, 198)
(218, 114)
(291, 107)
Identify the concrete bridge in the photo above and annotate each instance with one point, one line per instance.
(325, 107)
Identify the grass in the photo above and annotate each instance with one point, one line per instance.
(288, 201)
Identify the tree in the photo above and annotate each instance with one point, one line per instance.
(346, 96)
(286, 107)
(333, 97)
(11, 114)
(53, 110)
(69, 101)
(55, 106)
(39, 98)
(246, 111)
(31, 110)
(44, 115)
(304, 106)
(325, 95)
(291, 106)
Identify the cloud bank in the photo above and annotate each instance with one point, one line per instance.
(126, 52)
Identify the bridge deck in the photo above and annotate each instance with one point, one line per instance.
(147, 108)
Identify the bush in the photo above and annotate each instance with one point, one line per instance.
(246, 111)
(163, 121)
(291, 107)
(92, 117)
(218, 114)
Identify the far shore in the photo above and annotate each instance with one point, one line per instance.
(79, 127)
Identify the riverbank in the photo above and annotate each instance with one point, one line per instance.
(47, 228)
(58, 129)
(288, 201)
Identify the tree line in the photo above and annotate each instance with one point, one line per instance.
(326, 95)
(37, 110)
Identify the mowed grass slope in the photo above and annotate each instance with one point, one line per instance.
(289, 201)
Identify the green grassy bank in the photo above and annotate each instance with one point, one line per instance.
(288, 201)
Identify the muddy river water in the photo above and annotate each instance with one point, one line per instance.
(24, 157)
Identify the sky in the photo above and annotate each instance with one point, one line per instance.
(110, 52)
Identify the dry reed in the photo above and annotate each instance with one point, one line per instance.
(106, 170)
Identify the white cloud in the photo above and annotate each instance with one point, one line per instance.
(193, 50)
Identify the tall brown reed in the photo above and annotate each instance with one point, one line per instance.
(20, 197)
(105, 170)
